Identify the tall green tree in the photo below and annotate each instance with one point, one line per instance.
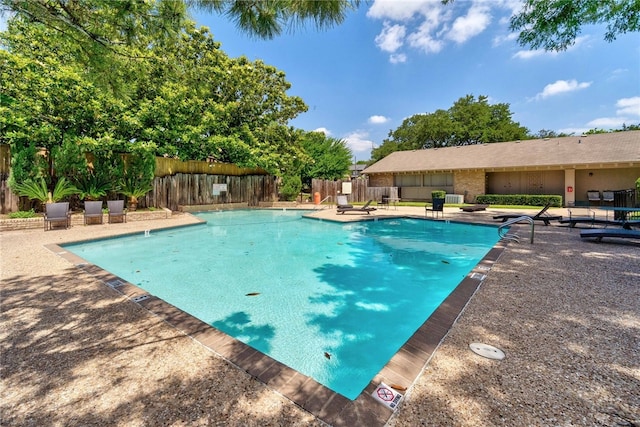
(44, 106)
(468, 121)
(187, 99)
(555, 24)
(330, 157)
(194, 102)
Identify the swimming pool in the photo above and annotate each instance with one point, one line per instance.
(333, 301)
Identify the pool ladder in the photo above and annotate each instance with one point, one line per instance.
(321, 206)
(503, 233)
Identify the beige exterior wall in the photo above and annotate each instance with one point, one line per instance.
(381, 180)
(604, 179)
(473, 183)
(526, 182)
(469, 183)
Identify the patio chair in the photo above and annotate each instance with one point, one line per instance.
(593, 196)
(92, 209)
(437, 208)
(384, 202)
(342, 202)
(116, 210)
(607, 196)
(57, 213)
(540, 216)
(362, 209)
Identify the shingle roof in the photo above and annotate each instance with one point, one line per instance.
(621, 148)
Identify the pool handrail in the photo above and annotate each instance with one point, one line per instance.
(515, 237)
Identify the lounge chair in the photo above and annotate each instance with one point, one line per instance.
(588, 218)
(437, 208)
(362, 209)
(342, 202)
(474, 208)
(599, 233)
(116, 210)
(540, 216)
(57, 213)
(92, 210)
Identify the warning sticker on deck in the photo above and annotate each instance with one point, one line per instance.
(387, 396)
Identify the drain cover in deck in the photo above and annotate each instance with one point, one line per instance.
(486, 350)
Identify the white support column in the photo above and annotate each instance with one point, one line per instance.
(569, 187)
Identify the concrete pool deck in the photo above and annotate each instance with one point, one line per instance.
(565, 311)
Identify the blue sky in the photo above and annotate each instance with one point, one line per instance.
(393, 59)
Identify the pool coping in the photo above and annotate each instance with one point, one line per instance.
(401, 371)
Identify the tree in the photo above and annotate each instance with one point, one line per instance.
(267, 19)
(187, 99)
(554, 24)
(109, 33)
(47, 106)
(468, 121)
(330, 157)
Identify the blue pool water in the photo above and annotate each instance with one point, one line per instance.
(357, 291)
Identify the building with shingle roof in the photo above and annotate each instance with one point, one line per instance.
(568, 166)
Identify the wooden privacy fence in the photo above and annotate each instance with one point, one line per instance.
(360, 190)
(168, 166)
(183, 189)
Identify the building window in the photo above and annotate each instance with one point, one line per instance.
(438, 180)
(408, 180)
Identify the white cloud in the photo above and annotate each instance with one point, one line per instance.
(501, 39)
(378, 119)
(617, 74)
(357, 141)
(326, 131)
(607, 122)
(561, 86)
(423, 40)
(428, 25)
(476, 20)
(397, 58)
(628, 106)
(391, 38)
(627, 112)
(528, 54)
(399, 10)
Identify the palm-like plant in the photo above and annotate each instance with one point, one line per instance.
(133, 187)
(39, 190)
(92, 187)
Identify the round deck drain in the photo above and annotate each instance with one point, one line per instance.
(486, 350)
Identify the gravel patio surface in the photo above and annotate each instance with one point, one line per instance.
(565, 311)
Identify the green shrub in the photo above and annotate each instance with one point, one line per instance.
(23, 214)
(291, 186)
(92, 186)
(520, 199)
(438, 194)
